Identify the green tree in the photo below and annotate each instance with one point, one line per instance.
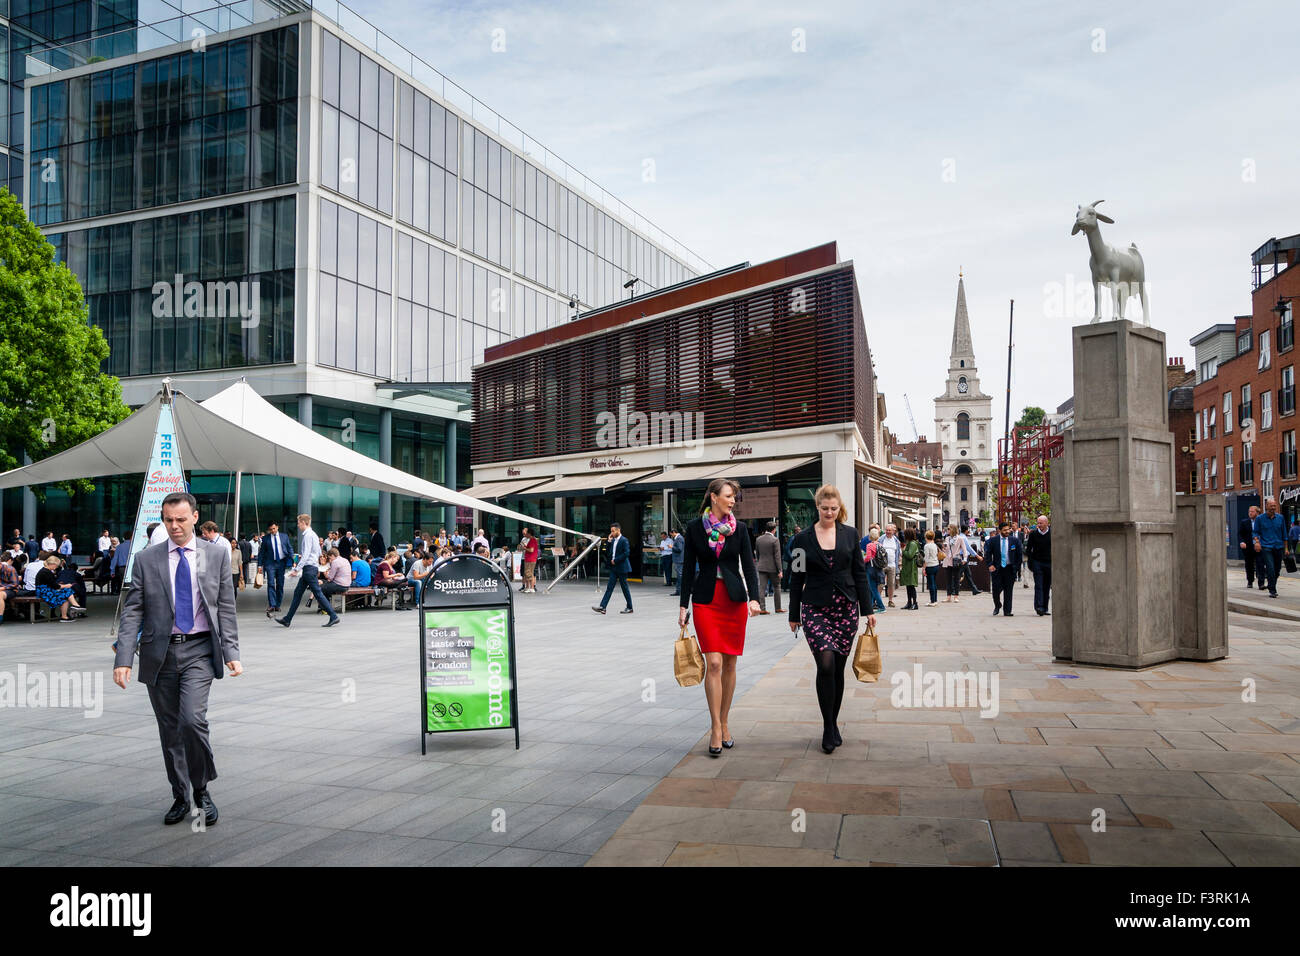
(52, 393)
(1032, 415)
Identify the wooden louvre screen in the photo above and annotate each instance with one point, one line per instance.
(789, 356)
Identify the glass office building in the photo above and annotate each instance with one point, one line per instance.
(377, 226)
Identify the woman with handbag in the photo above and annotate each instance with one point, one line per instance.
(827, 595)
(716, 554)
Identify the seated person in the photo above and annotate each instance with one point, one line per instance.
(68, 574)
(387, 576)
(54, 594)
(9, 581)
(360, 572)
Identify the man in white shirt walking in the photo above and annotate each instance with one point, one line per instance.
(308, 571)
(893, 549)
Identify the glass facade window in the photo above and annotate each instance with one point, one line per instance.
(425, 326)
(233, 305)
(355, 315)
(356, 125)
(178, 128)
(428, 146)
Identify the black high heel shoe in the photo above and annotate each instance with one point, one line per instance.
(716, 751)
(729, 743)
(828, 742)
(839, 741)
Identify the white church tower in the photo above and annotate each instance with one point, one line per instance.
(963, 419)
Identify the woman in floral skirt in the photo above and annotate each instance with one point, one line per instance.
(828, 591)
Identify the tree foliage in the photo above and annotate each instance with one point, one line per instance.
(1032, 415)
(52, 393)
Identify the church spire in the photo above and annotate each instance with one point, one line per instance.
(962, 347)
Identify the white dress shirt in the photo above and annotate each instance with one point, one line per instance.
(105, 543)
(173, 562)
(309, 548)
(48, 544)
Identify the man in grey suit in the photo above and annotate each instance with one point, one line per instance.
(180, 607)
(769, 567)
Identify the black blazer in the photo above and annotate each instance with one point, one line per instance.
(817, 583)
(700, 565)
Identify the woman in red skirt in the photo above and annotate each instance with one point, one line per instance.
(717, 552)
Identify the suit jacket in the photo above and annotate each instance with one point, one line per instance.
(148, 612)
(679, 549)
(1246, 535)
(817, 583)
(266, 550)
(769, 553)
(700, 565)
(993, 553)
(620, 554)
(377, 548)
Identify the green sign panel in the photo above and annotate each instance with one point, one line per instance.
(467, 673)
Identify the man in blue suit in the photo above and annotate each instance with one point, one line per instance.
(1002, 555)
(620, 566)
(274, 554)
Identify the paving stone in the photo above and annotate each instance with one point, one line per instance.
(916, 840)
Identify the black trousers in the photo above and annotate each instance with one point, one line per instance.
(1003, 583)
(1042, 584)
(1249, 555)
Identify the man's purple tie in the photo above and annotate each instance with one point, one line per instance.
(184, 596)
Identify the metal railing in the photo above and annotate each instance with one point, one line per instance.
(223, 17)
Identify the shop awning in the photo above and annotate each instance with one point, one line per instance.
(762, 469)
(902, 484)
(593, 484)
(499, 489)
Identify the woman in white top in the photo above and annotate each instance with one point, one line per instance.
(931, 552)
(954, 560)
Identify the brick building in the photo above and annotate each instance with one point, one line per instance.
(1244, 421)
(1180, 385)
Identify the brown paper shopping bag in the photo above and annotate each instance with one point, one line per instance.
(688, 662)
(866, 656)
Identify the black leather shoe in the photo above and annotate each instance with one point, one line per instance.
(828, 742)
(180, 809)
(626, 610)
(331, 622)
(280, 620)
(729, 743)
(997, 611)
(1008, 614)
(598, 610)
(209, 808)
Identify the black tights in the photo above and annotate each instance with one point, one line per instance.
(830, 685)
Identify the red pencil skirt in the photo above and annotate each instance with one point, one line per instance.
(720, 626)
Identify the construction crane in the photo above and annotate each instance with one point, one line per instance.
(916, 435)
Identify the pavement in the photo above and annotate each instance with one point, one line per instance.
(1253, 601)
(318, 743)
(1184, 764)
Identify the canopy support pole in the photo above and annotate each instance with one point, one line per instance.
(573, 565)
(238, 481)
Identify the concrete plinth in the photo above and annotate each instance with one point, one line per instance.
(1118, 570)
(1201, 607)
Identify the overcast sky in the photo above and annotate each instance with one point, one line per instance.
(923, 139)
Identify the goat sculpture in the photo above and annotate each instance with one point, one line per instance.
(1120, 270)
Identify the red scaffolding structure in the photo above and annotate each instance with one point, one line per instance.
(1031, 445)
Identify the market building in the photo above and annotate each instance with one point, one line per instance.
(760, 373)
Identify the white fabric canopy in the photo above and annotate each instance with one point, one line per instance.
(238, 430)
